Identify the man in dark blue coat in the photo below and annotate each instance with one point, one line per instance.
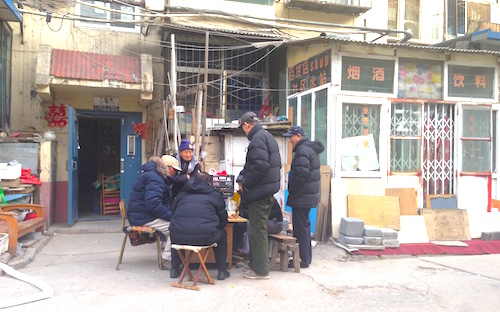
(198, 218)
(151, 198)
(260, 182)
(303, 187)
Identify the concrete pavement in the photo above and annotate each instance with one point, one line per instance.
(79, 263)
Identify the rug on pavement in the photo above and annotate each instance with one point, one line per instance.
(474, 247)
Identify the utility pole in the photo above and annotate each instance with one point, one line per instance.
(205, 86)
(173, 88)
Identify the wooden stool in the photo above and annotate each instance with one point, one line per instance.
(190, 251)
(281, 244)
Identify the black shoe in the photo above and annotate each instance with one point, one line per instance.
(302, 265)
(223, 275)
(174, 273)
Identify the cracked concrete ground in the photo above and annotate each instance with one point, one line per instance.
(80, 265)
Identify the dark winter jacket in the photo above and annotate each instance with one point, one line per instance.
(262, 166)
(197, 212)
(180, 178)
(304, 176)
(151, 197)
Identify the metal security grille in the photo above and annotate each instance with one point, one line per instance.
(438, 154)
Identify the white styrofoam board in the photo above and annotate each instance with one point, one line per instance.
(413, 230)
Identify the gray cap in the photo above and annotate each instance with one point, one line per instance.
(248, 117)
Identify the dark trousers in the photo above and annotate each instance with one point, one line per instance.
(302, 231)
(220, 252)
(259, 212)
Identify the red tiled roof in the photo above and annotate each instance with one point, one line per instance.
(93, 66)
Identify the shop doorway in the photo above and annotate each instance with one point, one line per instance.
(103, 150)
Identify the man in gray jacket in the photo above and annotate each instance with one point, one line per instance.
(260, 182)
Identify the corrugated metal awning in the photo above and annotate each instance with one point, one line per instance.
(93, 66)
(9, 12)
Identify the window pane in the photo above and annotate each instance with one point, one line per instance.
(305, 113)
(360, 137)
(320, 110)
(392, 14)
(412, 17)
(406, 119)
(87, 11)
(405, 155)
(476, 123)
(122, 16)
(476, 156)
(406, 137)
(422, 80)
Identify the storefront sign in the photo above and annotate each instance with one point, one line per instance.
(57, 116)
(312, 73)
(367, 75)
(106, 104)
(471, 82)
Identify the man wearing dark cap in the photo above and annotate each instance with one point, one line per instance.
(189, 164)
(260, 181)
(303, 188)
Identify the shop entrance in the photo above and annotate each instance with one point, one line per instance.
(98, 154)
(106, 148)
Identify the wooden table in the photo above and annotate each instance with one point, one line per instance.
(229, 231)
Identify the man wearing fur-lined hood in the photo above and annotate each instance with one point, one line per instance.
(151, 198)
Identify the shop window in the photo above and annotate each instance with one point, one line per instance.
(360, 137)
(476, 139)
(5, 73)
(320, 122)
(305, 113)
(420, 80)
(406, 137)
(310, 111)
(109, 15)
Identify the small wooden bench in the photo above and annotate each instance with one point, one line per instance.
(186, 261)
(8, 224)
(281, 244)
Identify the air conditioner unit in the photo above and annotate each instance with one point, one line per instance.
(155, 5)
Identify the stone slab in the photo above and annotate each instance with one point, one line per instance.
(372, 231)
(352, 227)
(373, 241)
(350, 240)
(390, 243)
(389, 234)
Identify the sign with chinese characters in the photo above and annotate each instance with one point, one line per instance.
(312, 73)
(367, 75)
(106, 104)
(467, 81)
(57, 115)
